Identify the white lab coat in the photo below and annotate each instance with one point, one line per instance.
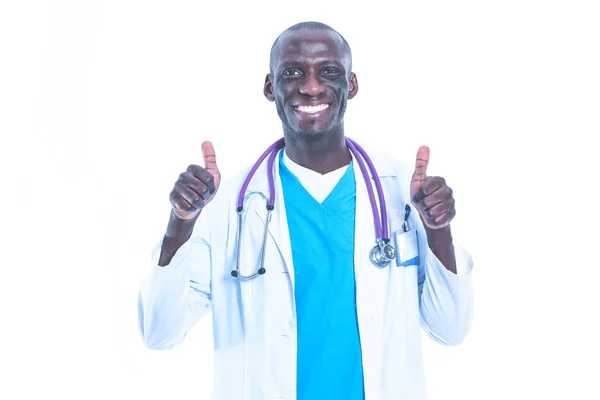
(254, 321)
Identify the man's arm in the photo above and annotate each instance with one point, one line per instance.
(446, 300)
(177, 292)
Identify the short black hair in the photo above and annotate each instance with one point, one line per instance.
(310, 25)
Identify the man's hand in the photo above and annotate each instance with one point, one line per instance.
(197, 186)
(430, 195)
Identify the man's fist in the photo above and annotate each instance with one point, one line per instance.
(430, 194)
(197, 186)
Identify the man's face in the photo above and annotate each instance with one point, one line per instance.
(310, 81)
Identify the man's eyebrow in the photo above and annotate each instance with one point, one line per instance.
(287, 64)
(338, 63)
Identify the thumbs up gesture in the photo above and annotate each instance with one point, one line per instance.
(430, 195)
(197, 186)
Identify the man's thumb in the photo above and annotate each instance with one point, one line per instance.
(421, 165)
(210, 160)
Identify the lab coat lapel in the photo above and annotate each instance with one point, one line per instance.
(278, 228)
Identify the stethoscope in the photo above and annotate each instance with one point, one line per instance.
(381, 255)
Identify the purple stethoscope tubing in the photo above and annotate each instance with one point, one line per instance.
(279, 144)
(381, 230)
(381, 254)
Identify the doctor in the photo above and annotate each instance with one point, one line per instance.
(323, 321)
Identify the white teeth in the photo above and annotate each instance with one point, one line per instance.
(312, 109)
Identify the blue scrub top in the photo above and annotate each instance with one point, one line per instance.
(329, 360)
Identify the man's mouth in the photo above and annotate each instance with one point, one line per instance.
(311, 109)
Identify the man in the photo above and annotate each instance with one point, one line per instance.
(323, 322)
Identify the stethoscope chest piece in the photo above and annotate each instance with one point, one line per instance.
(383, 253)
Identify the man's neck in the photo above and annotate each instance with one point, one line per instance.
(322, 154)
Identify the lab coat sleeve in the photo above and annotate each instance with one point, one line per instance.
(445, 298)
(174, 297)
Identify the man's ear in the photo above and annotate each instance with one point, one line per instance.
(268, 89)
(353, 86)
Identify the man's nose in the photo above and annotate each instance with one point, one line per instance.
(311, 86)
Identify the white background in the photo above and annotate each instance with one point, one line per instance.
(104, 103)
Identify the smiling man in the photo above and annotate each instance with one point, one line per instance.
(316, 271)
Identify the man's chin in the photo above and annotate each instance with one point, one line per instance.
(314, 129)
(311, 134)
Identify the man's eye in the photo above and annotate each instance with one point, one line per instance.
(291, 72)
(331, 71)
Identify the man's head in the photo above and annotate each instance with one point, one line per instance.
(310, 79)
